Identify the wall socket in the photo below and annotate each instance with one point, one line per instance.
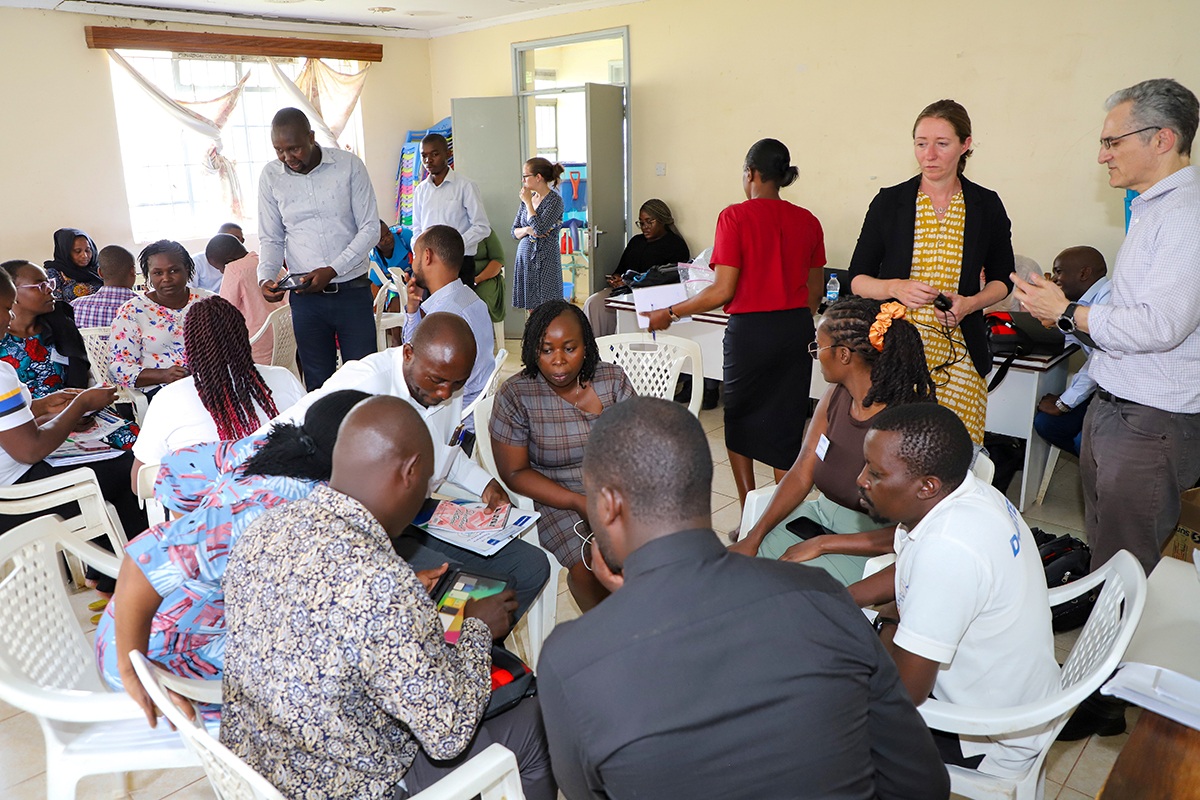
(660, 169)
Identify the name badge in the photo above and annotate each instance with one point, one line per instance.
(822, 446)
(57, 357)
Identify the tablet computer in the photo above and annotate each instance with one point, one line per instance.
(454, 589)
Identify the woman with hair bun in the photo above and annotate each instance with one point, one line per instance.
(872, 358)
(537, 269)
(768, 256)
(226, 397)
(932, 235)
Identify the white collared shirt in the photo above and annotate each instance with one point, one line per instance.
(459, 299)
(383, 373)
(972, 596)
(325, 218)
(457, 203)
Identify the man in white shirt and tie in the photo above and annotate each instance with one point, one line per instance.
(447, 198)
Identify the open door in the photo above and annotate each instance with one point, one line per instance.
(487, 149)
(605, 105)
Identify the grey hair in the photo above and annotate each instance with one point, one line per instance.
(1161, 103)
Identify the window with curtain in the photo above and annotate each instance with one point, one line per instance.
(172, 190)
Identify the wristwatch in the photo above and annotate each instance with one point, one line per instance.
(1061, 406)
(671, 313)
(881, 620)
(1066, 322)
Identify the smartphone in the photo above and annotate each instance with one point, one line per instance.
(806, 528)
(290, 282)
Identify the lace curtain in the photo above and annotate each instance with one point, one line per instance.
(326, 96)
(205, 117)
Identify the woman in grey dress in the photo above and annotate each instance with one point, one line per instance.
(540, 425)
(537, 272)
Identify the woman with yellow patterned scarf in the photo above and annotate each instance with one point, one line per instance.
(931, 235)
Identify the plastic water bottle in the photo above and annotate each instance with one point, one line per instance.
(832, 289)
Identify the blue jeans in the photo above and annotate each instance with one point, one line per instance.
(323, 322)
(1065, 431)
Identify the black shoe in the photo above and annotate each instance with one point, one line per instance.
(683, 389)
(1100, 716)
(712, 393)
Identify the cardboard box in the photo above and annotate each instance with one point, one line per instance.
(1187, 531)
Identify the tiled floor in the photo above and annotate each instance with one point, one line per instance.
(1074, 771)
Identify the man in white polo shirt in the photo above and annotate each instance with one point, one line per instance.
(971, 621)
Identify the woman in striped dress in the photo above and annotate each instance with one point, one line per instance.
(537, 272)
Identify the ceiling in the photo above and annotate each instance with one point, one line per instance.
(395, 17)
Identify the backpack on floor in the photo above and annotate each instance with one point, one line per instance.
(1066, 559)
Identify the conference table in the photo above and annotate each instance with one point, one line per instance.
(1162, 756)
(1010, 410)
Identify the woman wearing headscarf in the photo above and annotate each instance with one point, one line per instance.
(659, 243)
(74, 268)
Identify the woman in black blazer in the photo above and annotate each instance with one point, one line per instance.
(939, 233)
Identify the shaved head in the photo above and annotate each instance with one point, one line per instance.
(439, 359)
(384, 459)
(292, 119)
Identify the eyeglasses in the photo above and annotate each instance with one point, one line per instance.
(1108, 141)
(42, 286)
(524, 176)
(649, 224)
(815, 351)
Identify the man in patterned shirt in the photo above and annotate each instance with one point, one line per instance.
(98, 309)
(338, 679)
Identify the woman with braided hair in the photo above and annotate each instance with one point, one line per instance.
(226, 397)
(873, 358)
(169, 602)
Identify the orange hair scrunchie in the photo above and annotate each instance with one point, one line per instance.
(883, 321)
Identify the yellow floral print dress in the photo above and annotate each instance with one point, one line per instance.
(937, 260)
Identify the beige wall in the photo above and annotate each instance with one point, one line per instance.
(60, 134)
(840, 82)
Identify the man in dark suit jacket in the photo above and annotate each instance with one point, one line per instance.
(708, 674)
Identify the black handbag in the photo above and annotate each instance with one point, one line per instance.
(512, 682)
(1017, 334)
(1066, 559)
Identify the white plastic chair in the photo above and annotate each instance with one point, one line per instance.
(541, 617)
(1096, 653)
(491, 775)
(147, 476)
(95, 340)
(653, 364)
(96, 517)
(229, 775)
(48, 669)
(489, 388)
(386, 320)
(283, 347)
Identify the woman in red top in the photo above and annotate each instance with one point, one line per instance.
(768, 256)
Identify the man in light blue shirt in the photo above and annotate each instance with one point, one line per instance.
(1141, 436)
(318, 215)
(1082, 275)
(437, 254)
